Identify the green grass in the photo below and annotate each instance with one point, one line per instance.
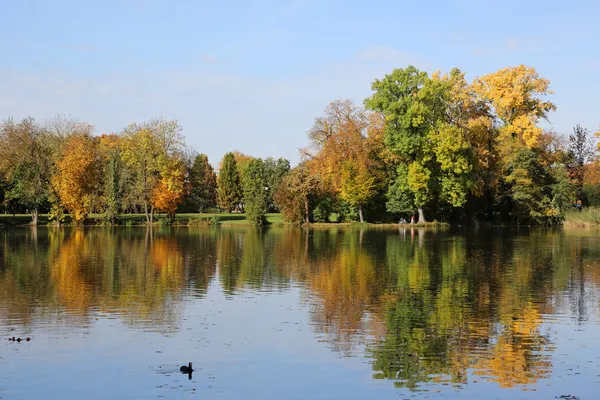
(587, 218)
(140, 219)
(229, 218)
(197, 219)
(20, 219)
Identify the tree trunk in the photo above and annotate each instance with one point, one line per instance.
(421, 216)
(151, 214)
(306, 210)
(146, 212)
(34, 216)
(360, 214)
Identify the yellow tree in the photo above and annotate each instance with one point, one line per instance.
(168, 193)
(343, 152)
(146, 148)
(515, 95)
(77, 176)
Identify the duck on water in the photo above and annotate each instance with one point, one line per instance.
(186, 369)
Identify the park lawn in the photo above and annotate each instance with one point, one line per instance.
(140, 219)
(230, 218)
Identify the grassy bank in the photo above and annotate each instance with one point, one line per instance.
(204, 219)
(140, 219)
(586, 218)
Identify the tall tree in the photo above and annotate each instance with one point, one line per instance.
(169, 192)
(148, 148)
(229, 192)
(580, 151)
(113, 176)
(255, 194)
(25, 163)
(399, 96)
(203, 184)
(275, 171)
(342, 153)
(515, 96)
(432, 151)
(78, 173)
(57, 129)
(294, 194)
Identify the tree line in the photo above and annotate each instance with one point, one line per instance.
(435, 146)
(60, 167)
(440, 147)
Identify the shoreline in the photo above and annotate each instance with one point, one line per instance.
(273, 220)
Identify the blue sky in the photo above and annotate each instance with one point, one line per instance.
(253, 75)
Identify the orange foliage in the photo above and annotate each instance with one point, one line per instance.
(77, 177)
(169, 192)
(592, 173)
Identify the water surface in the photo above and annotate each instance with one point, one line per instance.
(335, 313)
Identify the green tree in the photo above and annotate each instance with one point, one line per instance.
(411, 105)
(580, 151)
(564, 190)
(229, 191)
(255, 194)
(203, 184)
(399, 97)
(275, 171)
(432, 127)
(113, 176)
(529, 184)
(25, 163)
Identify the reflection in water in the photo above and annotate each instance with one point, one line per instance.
(425, 306)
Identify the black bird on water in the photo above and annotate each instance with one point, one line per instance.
(187, 370)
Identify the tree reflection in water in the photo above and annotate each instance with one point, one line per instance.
(425, 306)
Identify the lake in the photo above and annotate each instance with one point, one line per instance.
(331, 313)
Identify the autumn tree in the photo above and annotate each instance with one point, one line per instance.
(229, 191)
(242, 161)
(294, 194)
(57, 129)
(591, 183)
(77, 177)
(515, 93)
(147, 149)
(515, 96)
(26, 163)
(255, 193)
(463, 140)
(203, 184)
(169, 192)
(342, 153)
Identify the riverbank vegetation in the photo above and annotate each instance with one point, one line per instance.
(430, 146)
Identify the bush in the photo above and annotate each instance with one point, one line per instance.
(591, 194)
(323, 210)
